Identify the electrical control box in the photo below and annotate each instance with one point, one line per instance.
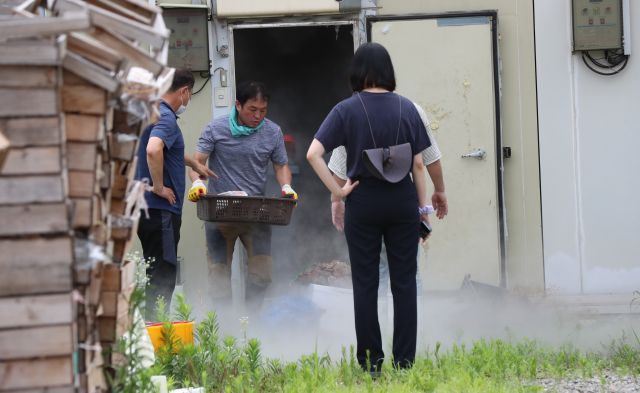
(597, 24)
(188, 43)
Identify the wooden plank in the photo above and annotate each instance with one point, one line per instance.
(111, 277)
(44, 26)
(23, 374)
(81, 183)
(122, 146)
(98, 211)
(109, 303)
(94, 50)
(136, 10)
(86, 69)
(121, 123)
(107, 175)
(84, 128)
(55, 389)
(33, 189)
(15, 102)
(32, 161)
(32, 266)
(84, 99)
(99, 234)
(28, 76)
(82, 213)
(31, 52)
(32, 131)
(129, 28)
(134, 55)
(112, 21)
(107, 329)
(4, 148)
(30, 311)
(81, 156)
(34, 342)
(118, 206)
(34, 219)
(70, 78)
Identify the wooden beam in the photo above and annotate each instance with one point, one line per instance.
(133, 55)
(82, 213)
(36, 342)
(25, 374)
(28, 76)
(92, 72)
(81, 184)
(32, 266)
(122, 146)
(81, 156)
(32, 161)
(121, 123)
(90, 100)
(44, 26)
(34, 219)
(29, 311)
(32, 131)
(23, 190)
(84, 128)
(52, 389)
(31, 52)
(111, 21)
(16, 102)
(88, 47)
(4, 148)
(126, 9)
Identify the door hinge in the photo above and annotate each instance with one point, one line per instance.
(506, 152)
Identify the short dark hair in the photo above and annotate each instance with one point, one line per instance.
(371, 66)
(249, 90)
(181, 78)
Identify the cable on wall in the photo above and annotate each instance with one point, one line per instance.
(611, 63)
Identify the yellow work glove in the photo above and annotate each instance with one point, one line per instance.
(197, 190)
(287, 192)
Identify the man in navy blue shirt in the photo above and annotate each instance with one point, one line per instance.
(161, 159)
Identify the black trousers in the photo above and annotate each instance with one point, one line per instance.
(159, 235)
(376, 211)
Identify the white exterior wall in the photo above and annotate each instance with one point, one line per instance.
(589, 130)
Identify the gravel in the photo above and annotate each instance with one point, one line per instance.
(609, 382)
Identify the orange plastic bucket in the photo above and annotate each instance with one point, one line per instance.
(182, 333)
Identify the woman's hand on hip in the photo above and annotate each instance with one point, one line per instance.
(348, 187)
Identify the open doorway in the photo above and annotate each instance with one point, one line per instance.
(306, 70)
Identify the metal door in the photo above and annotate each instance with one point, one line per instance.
(448, 65)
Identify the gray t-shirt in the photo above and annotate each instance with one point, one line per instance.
(241, 162)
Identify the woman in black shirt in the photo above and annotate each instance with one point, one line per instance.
(376, 209)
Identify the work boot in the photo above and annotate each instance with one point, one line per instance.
(219, 280)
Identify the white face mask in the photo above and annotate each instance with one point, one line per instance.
(182, 107)
(181, 110)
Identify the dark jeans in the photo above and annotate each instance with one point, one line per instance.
(377, 211)
(159, 235)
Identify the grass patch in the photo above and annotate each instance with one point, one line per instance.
(230, 364)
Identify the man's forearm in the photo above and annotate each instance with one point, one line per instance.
(435, 173)
(156, 162)
(283, 174)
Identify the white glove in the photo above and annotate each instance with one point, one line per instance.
(288, 192)
(197, 190)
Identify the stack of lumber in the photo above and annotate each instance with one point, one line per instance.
(76, 90)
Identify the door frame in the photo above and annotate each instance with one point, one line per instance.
(493, 18)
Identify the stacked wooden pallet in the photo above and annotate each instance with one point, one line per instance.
(76, 91)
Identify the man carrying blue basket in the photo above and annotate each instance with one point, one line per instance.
(238, 148)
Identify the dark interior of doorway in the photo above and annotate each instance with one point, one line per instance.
(306, 72)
